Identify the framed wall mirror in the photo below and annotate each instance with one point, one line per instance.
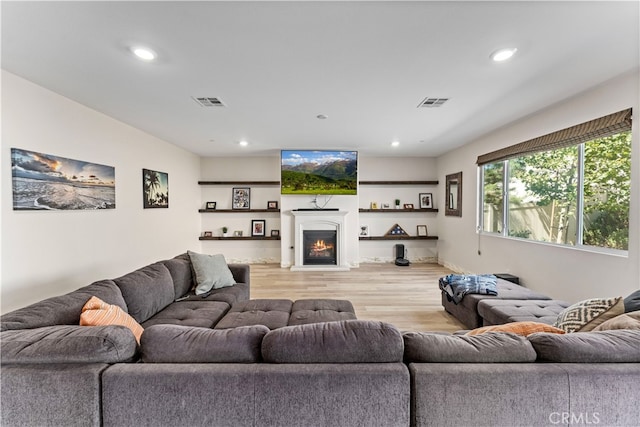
(454, 195)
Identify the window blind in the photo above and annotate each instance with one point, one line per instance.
(574, 135)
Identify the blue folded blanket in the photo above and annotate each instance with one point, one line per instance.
(456, 286)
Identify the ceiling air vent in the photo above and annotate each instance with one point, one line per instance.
(432, 102)
(206, 101)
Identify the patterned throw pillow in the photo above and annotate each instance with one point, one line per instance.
(585, 315)
(98, 313)
(519, 328)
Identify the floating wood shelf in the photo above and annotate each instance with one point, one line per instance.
(397, 210)
(398, 237)
(240, 238)
(239, 183)
(398, 182)
(236, 210)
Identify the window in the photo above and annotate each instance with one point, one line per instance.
(574, 193)
(493, 200)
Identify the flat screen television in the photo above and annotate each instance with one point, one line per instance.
(319, 172)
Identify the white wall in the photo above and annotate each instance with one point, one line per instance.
(50, 253)
(564, 273)
(244, 168)
(398, 169)
(241, 168)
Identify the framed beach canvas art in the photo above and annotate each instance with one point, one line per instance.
(47, 182)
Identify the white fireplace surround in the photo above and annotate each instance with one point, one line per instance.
(320, 220)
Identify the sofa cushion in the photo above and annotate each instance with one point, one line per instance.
(98, 313)
(230, 294)
(585, 315)
(348, 341)
(69, 344)
(63, 309)
(181, 274)
(519, 328)
(185, 344)
(320, 310)
(211, 272)
(272, 313)
(203, 314)
(147, 290)
(498, 312)
(619, 346)
(632, 302)
(486, 348)
(629, 320)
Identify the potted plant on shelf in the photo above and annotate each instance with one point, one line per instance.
(225, 231)
(397, 203)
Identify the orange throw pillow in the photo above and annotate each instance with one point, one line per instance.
(98, 313)
(518, 328)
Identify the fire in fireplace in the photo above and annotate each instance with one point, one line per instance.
(319, 247)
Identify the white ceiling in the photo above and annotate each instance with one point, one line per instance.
(277, 65)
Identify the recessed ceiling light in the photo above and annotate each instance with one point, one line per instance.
(243, 143)
(395, 143)
(501, 55)
(322, 116)
(144, 53)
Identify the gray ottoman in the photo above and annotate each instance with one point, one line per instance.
(320, 310)
(272, 313)
(467, 311)
(498, 312)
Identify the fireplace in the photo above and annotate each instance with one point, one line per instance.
(319, 240)
(319, 247)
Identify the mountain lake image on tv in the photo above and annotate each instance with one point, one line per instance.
(319, 172)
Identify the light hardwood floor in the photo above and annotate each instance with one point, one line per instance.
(407, 297)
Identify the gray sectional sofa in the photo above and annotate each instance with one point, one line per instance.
(222, 359)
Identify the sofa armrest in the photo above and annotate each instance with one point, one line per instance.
(68, 344)
(240, 273)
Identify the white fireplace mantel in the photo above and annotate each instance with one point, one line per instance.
(320, 220)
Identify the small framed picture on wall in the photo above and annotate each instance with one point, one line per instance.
(241, 198)
(257, 227)
(426, 200)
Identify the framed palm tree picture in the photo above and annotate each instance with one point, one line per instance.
(155, 189)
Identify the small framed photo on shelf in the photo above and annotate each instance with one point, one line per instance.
(257, 227)
(237, 233)
(408, 205)
(364, 230)
(241, 198)
(272, 204)
(422, 230)
(426, 200)
(275, 233)
(211, 206)
(208, 234)
(386, 206)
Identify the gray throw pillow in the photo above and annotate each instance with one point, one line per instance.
(617, 346)
(486, 348)
(211, 272)
(632, 302)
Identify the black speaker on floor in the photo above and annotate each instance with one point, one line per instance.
(400, 260)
